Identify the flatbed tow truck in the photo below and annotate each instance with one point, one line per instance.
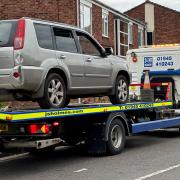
(103, 128)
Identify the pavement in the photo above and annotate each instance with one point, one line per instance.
(152, 156)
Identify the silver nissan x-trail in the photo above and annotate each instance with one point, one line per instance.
(51, 63)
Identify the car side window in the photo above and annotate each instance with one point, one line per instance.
(44, 36)
(88, 47)
(65, 40)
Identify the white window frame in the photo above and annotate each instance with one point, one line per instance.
(119, 36)
(86, 3)
(105, 13)
(141, 30)
(89, 5)
(130, 33)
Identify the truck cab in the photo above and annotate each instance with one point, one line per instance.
(162, 62)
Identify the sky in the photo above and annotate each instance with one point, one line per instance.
(124, 5)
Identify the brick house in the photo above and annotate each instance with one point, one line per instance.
(163, 24)
(107, 25)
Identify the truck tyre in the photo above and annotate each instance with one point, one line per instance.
(116, 137)
(121, 91)
(54, 92)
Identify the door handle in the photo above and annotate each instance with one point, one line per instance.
(89, 60)
(62, 57)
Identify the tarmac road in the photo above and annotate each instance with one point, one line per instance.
(155, 155)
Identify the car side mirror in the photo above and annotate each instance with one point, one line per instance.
(109, 51)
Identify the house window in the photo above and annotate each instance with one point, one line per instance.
(105, 18)
(124, 45)
(86, 16)
(130, 32)
(140, 36)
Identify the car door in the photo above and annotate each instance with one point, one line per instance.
(98, 69)
(68, 56)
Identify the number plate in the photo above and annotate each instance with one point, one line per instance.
(3, 127)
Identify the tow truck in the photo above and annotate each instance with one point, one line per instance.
(103, 128)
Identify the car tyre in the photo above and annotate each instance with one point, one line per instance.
(121, 91)
(54, 92)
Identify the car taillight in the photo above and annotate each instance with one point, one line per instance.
(19, 36)
(39, 129)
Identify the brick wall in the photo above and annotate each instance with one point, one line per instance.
(135, 37)
(97, 27)
(55, 10)
(167, 23)
(137, 12)
(97, 22)
(167, 26)
(110, 40)
(59, 10)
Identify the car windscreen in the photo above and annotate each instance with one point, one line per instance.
(7, 33)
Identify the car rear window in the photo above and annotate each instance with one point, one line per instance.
(44, 36)
(7, 33)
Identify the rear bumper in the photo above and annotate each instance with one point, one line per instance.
(7, 82)
(39, 144)
(30, 79)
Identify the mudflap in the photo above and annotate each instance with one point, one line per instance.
(96, 143)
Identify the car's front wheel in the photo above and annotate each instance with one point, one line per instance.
(54, 92)
(121, 94)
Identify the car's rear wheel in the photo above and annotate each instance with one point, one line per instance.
(121, 94)
(54, 92)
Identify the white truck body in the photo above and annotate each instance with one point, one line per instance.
(163, 62)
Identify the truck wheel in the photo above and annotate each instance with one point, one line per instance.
(116, 137)
(121, 91)
(54, 92)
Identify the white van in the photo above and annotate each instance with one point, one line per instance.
(163, 62)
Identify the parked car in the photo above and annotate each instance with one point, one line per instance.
(51, 63)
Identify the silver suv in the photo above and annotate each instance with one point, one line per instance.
(52, 63)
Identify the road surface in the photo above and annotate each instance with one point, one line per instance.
(154, 156)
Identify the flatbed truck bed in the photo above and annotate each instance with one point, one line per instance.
(103, 128)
